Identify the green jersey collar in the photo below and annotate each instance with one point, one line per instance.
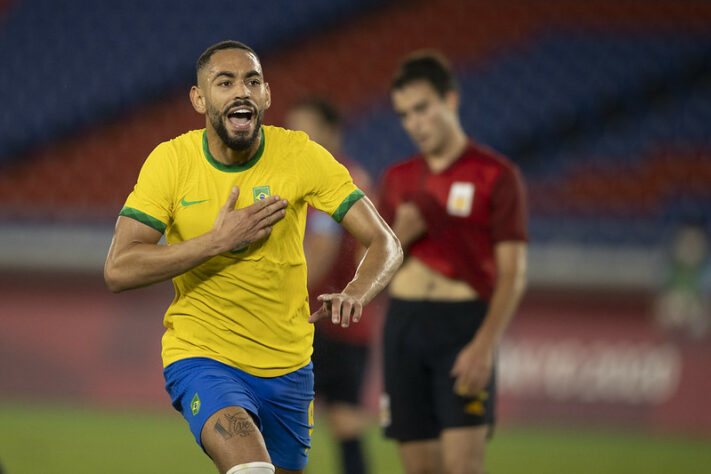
(237, 166)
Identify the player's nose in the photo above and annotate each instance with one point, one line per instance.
(241, 91)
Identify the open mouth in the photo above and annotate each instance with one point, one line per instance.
(240, 117)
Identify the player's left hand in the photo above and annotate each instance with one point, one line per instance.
(472, 368)
(340, 307)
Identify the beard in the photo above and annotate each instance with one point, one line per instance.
(242, 140)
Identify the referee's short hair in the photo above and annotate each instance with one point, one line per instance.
(426, 65)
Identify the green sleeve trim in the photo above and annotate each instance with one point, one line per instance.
(143, 218)
(346, 204)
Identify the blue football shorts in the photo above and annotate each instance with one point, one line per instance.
(282, 407)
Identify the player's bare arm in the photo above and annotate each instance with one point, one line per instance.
(135, 259)
(382, 258)
(473, 365)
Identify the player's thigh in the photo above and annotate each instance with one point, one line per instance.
(286, 414)
(231, 437)
(463, 449)
(421, 457)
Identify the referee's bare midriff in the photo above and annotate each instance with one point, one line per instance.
(417, 281)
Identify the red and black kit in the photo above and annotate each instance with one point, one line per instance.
(475, 203)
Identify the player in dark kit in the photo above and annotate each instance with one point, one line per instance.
(340, 354)
(459, 210)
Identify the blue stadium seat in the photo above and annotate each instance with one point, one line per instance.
(92, 58)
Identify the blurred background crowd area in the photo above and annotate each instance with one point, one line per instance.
(604, 105)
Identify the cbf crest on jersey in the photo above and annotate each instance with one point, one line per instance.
(260, 193)
(461, 197)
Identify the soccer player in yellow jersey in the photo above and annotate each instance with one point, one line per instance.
(231, 200)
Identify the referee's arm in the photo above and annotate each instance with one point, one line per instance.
(474, 364)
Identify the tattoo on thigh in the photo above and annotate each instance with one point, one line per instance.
(238, 424)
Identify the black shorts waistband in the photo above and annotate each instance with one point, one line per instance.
(442, 307)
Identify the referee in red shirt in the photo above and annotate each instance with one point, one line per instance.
(459, 210)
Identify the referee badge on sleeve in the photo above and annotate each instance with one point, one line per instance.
(461, 197)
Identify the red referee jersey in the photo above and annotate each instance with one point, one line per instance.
(478, 201)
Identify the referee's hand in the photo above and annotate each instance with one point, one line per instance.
(472, 368)
(340, 307)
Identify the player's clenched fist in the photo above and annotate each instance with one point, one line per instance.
(236, 228)
(340, 307)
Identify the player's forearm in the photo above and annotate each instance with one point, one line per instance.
(142, 264)
(510, 287)
(381, 260)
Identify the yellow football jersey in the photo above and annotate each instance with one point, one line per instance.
(249, 308)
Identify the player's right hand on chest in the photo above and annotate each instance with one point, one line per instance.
(237, 228)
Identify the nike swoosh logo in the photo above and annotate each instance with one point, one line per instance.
(190, 203)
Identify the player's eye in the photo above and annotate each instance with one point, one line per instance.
(254, 82)
(224, 83)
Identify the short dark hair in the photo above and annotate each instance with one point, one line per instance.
(228, 44)
(427, 65)
(323, 107)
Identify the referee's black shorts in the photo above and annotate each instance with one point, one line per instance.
(421, 342)
(339, 369)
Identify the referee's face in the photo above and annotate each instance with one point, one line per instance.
(426, 116)
(235, 96)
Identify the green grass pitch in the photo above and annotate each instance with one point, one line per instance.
(60, 439)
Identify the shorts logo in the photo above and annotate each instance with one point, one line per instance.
(461, 197)
(195, 404)
(476, 406)
(260, 193)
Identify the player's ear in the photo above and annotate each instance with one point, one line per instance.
(452, 99)
(197, 99)
(268, 93)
